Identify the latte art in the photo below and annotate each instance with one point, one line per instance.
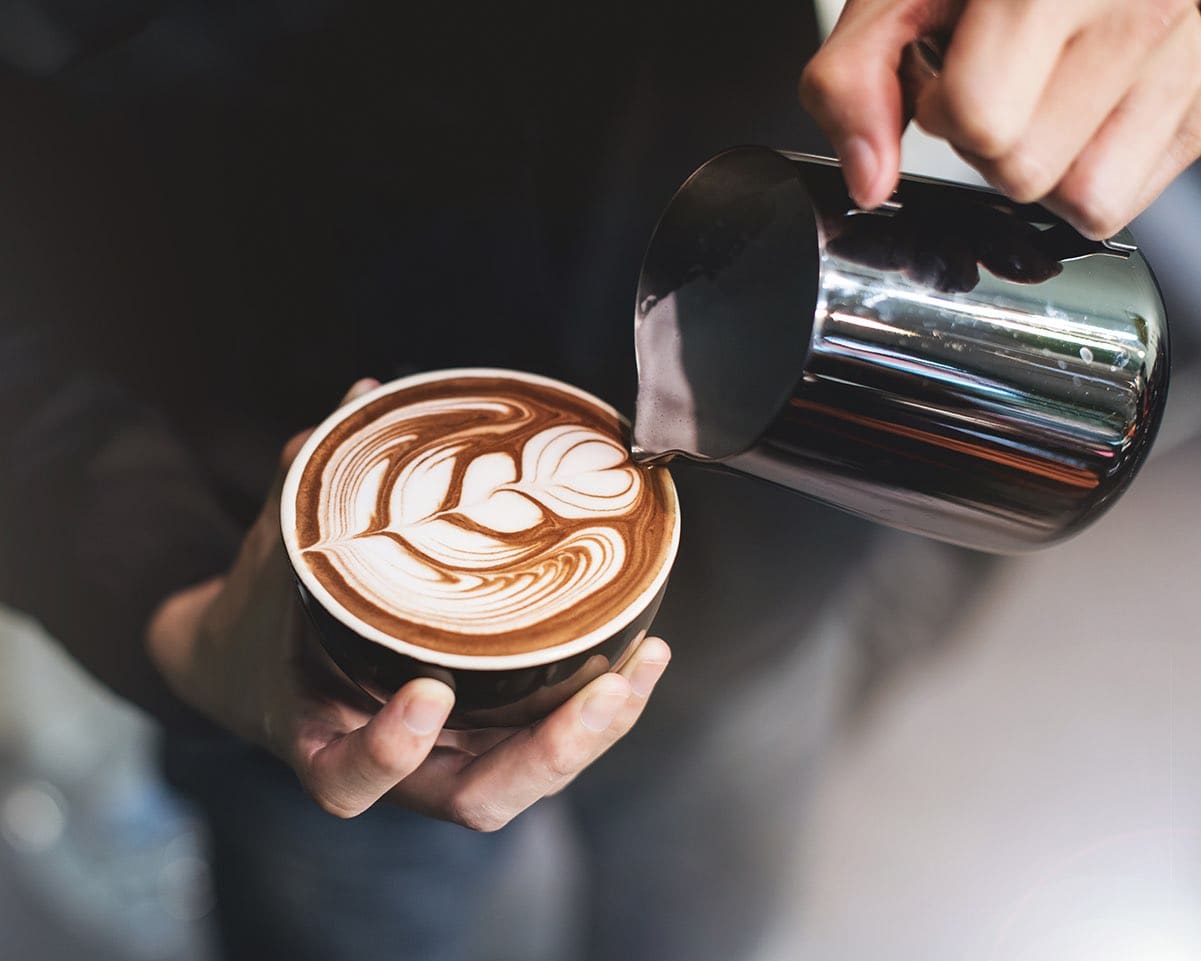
(480, 515)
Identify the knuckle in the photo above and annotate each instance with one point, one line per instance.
(561, 759)
(822, 80)
(976, 124)
(1101, 228)
(384, 752)
(474, 813)
(1022, 177)
(1091, 209)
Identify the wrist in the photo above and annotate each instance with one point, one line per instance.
(173, 639)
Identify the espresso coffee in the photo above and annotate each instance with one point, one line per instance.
(480, 513)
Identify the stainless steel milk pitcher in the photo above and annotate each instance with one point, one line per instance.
(953, 364)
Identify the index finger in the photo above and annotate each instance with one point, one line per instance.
(852, 88)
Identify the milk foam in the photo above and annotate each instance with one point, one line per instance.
(483, 513)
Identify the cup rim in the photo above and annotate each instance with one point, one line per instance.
(481, 662)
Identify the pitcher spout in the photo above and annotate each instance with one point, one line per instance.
(724, 309)
(650, 458)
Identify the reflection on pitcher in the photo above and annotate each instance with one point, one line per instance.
(953, 364)
(943, 244)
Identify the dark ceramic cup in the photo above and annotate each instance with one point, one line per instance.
(491, 691)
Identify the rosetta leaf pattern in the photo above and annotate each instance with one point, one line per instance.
(469, 531)
(566, 472)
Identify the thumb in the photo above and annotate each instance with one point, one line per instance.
(854, 91)
(348, 773)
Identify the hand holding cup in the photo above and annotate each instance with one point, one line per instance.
(241, 650)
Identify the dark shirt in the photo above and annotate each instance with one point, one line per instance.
(216, 216)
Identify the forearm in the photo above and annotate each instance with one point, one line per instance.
(173, 641)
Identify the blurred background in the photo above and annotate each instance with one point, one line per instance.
(1028, 789)
(98, 859)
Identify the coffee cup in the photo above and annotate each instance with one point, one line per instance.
(483, 527)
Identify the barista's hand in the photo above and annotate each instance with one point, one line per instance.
(1091, 106)
(236, 649)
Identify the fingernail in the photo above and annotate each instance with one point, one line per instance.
(600, 709)
(424, 715)
(858, 157)
(645, 676)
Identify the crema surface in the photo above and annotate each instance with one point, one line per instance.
(483, 515)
